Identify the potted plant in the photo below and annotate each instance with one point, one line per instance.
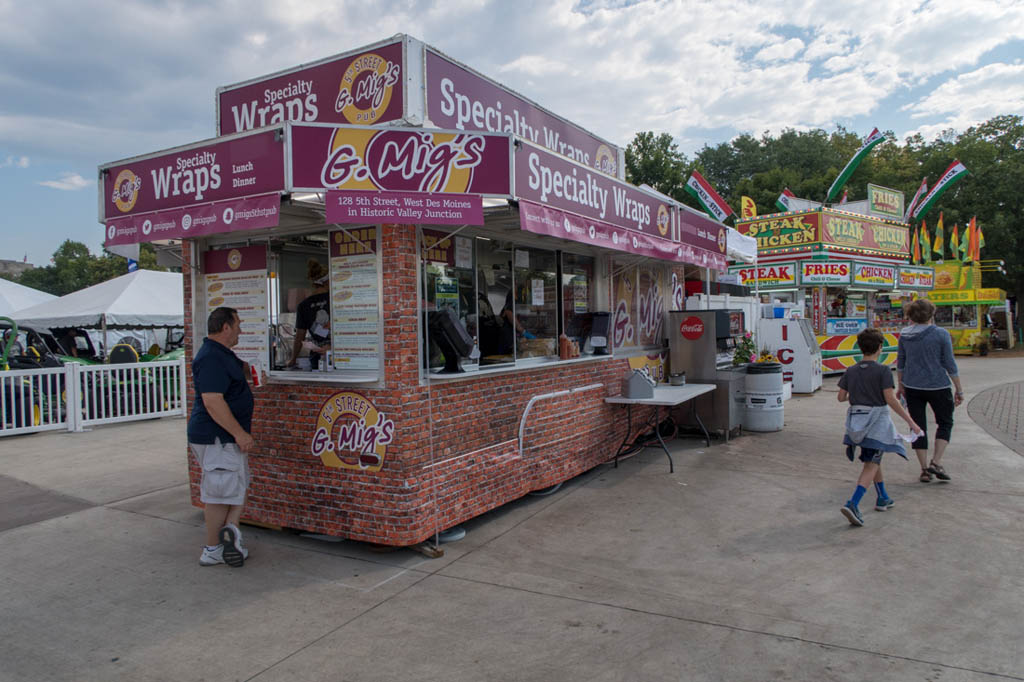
(746, 351)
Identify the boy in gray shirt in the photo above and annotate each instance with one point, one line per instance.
(871, 391)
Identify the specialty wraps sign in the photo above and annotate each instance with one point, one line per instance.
(460, 98)
(361, 87)
(219, 186)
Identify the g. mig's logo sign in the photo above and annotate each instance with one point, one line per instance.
(606, 161)
(664, 219)
(126, 190)
(351, 433)
(402, 161)
(366, 88)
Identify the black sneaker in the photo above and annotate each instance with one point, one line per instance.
(231, 541)
(939, 472)
(850, 511)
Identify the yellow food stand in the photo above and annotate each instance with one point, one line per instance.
(963, 307)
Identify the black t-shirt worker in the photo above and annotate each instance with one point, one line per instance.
(219, 436)
(313, 317)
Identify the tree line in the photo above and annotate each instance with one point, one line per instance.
(808, 161)
(74, 267)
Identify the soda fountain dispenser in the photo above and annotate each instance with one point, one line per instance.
(701, 343)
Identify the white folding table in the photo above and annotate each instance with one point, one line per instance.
(664, 396)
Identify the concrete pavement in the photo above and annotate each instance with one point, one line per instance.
(737, 567)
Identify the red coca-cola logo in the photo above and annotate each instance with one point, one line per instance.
(692, 328)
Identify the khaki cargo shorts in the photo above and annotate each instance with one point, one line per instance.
(225, 472)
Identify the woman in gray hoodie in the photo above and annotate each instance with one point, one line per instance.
(924, 369)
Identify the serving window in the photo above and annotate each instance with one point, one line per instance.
(513, 300)
(325, 303)
(957, 316)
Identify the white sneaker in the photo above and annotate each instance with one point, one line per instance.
(234, 553)
(212, 557)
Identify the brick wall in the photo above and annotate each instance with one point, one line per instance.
(456, 451)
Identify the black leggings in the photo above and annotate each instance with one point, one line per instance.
(941, 401)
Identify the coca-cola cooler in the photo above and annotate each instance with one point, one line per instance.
(701, 343)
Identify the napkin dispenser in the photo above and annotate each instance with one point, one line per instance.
(638, 384)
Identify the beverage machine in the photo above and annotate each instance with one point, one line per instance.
(794, 344)
(701, 343)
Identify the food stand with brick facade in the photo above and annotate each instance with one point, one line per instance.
(468, 200)
(841, 269)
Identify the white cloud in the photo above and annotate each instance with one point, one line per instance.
(68, 182)
(613, 67)
(784, 50)
(971, 97)
(15, 162)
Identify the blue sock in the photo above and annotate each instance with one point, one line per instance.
(880, 489)
(857, 494)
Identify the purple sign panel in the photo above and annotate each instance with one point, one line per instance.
(554, 223)
(401, 160)
(235, 259)
(547, 179)
(250, 213)
(244, 166)
(362, 88)
(461, 99)
(361, 207)
(704, 233)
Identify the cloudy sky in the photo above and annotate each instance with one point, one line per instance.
(85, 83)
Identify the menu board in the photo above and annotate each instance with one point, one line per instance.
(355, 318)
(237, 278)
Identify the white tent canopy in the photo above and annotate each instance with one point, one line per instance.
(15, 297)
(144, 298)
(741, 247)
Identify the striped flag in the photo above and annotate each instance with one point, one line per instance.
(955, 171)
(921, 191)
(965, 242)
(926, 244)
(708, 198)
(846, 196)
(939, 242)
(954, 243)
(783, 202)
(869, 143)
(974, 242)
(915, 249)
(748, 209)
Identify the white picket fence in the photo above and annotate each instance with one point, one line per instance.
(75, 396)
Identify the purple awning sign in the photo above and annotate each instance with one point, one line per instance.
(247, 213)
(461, 99)
(355, 207)
(544, 178)
(362, 88)
(238, 167)
(555, 223)
(401, 160)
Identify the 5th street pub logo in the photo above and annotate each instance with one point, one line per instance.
(351, 434)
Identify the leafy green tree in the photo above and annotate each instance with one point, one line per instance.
(657, 161)
(74, 267)
(807, 162)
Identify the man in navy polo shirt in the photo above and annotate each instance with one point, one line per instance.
(218, 434)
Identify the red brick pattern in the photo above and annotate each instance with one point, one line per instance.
(456, 451)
